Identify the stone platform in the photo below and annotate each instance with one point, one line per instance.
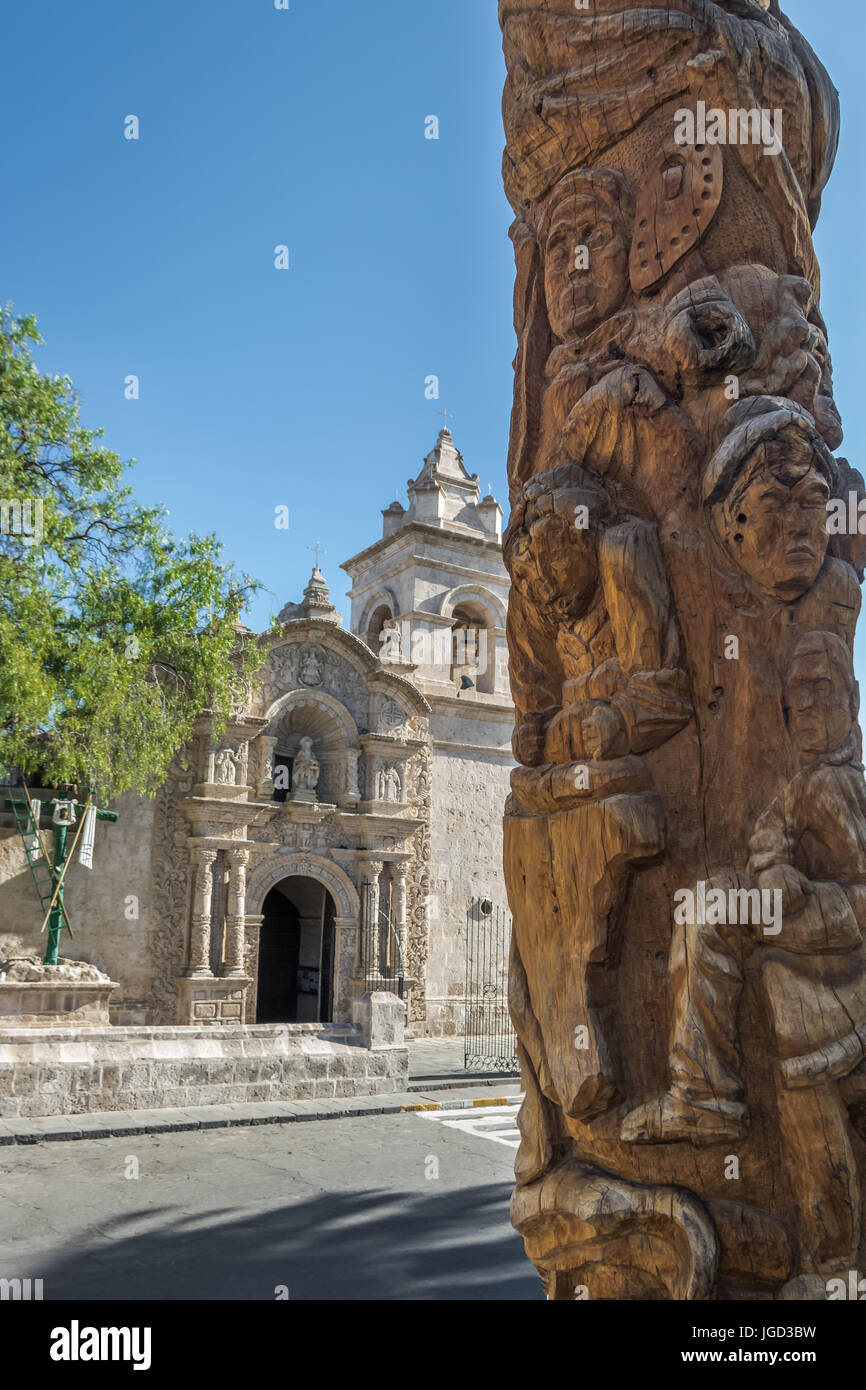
(68, 994)
(74, 1071)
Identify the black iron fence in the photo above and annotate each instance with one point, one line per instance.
(382, 952)
(490, 1043)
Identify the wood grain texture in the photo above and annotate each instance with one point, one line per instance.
(685, 842)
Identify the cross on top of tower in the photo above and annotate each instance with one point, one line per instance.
(446, 416)
(318, 548)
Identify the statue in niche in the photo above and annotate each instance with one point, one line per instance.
(388, 784)
(311, 667)
(305, 768)
(226, 763)
(686, 712)
(391, 642)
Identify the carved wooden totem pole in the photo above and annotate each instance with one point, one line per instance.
(685, 841)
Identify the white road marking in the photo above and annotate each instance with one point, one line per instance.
(496, 1122)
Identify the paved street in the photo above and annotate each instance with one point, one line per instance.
(498, 1123)
(411, 1206)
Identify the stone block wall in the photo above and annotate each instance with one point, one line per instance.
(109, 905)
(74, 1071)
(468, 796)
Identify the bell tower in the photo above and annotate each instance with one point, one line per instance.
(429, 598)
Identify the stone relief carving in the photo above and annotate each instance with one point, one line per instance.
(281, 673)
(418, 890)
(392, 719)
(391, 641)
(311, 666)
(226, 763)
(684, 841)
(229, 763)
(388, 784)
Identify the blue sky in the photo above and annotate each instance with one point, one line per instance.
(304, 127)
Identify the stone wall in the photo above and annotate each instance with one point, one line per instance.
(469, 788)
(109, 905)
(20, 913)
(74, 1071)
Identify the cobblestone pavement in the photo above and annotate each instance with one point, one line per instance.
(391, 1207)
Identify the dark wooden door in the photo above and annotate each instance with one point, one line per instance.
(279, 948)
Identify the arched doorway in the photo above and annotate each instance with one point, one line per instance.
(296, 954)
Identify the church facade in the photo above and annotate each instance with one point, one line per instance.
(329, 841)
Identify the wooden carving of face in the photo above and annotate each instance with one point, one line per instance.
(553, 560)
(586, 272)
(774, 525)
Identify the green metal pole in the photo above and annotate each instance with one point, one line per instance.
(55, 920)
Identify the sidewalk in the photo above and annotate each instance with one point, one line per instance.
(441, 1060)
(437, 1081)
(114, 1124)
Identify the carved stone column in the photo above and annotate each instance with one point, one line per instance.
(353, 791)
(267, 746)
(252, 932)
(398, 907)
(372, 873)
(234, 945)
(688, 969)
(200, 929)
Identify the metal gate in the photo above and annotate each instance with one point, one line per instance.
(490, 1043)
(381, 950)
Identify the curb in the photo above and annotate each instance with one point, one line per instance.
(450, 1083)
(117, 1125)
(464, 1104)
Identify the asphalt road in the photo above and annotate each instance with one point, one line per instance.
(411, 1206)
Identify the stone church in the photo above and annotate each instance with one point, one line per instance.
(331, 839)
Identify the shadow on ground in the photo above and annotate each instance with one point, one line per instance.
(345, 1246)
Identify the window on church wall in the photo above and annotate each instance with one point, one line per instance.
(472, 649)
(377, 637)
(282, 776)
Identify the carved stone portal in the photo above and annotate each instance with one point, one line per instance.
(685, 842)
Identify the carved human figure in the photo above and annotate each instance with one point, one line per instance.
(767, 488)
(594, 686)
(676, 385)
(595, 649)
(388, 785)
(791, 357)
(813, 860)
(391, 642)
(305, 768)
(585, 233)
(311, 668)
(226, 763)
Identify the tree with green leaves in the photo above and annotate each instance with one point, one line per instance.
(114, 634)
